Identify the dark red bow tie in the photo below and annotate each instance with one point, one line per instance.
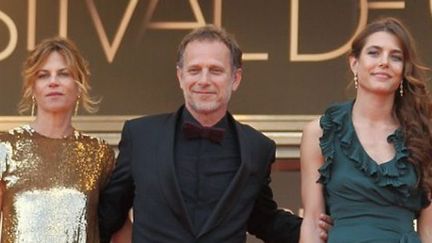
(213, 134)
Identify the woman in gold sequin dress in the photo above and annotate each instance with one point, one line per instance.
(51, 174)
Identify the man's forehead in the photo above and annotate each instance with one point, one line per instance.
(205, 42)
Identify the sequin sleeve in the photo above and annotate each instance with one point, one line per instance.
(5, 152)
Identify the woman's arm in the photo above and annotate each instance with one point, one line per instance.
(424, 224)
(311, 160)
(2, 189)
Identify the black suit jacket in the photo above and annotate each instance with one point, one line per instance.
(145, 178)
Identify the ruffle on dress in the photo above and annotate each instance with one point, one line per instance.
(337, 124)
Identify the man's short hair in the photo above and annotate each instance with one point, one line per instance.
(211, 33)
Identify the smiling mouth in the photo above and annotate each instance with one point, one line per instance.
(203, 92)
(54, 94)
(382, 75)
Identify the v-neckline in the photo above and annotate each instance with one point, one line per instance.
(351, 123)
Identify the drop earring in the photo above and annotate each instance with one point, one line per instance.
(77, 106)
(356, 80)
(401, 92)
(33, 106)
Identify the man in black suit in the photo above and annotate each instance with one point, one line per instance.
(197, 175)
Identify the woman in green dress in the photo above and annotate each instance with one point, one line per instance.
(368, 162)
(51, 174)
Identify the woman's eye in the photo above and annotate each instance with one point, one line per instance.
(42, 76)
(64, 74)
(397, 58)
(373, 53)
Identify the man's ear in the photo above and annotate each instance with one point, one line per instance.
(237, 78)
(179, 76)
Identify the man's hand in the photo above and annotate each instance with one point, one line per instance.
(325, 223)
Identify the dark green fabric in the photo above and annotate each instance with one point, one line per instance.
(368, 202)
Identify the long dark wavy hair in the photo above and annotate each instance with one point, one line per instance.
(414, 109)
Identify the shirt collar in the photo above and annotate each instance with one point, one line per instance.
(187, 117)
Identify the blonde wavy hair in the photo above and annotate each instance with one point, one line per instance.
(77, 65)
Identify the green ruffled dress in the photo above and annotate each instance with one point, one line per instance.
(368, 202)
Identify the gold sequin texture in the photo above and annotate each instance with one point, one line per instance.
(52, 186)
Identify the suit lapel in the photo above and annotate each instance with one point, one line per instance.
(231, 195)
(167, 174)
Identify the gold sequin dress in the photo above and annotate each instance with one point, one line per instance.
(52, 186)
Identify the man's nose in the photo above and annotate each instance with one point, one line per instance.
(204, 77)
